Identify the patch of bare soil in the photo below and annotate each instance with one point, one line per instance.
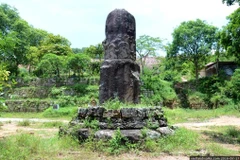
(12, 128)
(221, 121)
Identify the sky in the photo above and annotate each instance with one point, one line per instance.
(82, 22)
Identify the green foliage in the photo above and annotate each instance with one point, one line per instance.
(4, 75)
(182, 140)
(55, 44)
(61, 112)
(217, 149)
(56, 92)
(147, 46)
(116, 144)
(95, 67)
(162, 90)
(93, 124)
(78, 63)
(233, 132)
(193, 40)
(233, 87)
(113, 104)
(24, 123)
(229, 36)
(198, 99)
(95, 52)
(51, 65)
(224, 134)
(27, 146)
(80, 88)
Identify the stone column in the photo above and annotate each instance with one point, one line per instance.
(119, 73)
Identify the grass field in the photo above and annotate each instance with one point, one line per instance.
(35, 140)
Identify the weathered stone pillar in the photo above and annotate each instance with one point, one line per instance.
(119, 73)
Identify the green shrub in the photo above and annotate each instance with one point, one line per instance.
(233, 87)
(24, 123)
(233, 132)
(66, 101)
(197, 100)
(56, 91)
(93, 124)
(162, 91)
(80, 88)
(116, 144)
(113, 104)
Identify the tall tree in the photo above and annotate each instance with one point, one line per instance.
(55, 44)
(230, 36)
(51, 65)
(78, 63)
(193, 41)
(95, 52)
(15, 38)
(231, 2)
(147, 46)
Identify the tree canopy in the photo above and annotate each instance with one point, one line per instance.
(230, 38)
(231, 2)
(147, 46)
(193, 41)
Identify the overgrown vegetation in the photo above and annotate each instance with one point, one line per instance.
(39, 65)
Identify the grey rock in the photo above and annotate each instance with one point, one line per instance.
(111, 114)
(82, 112)
(166, 131)
(133, 135)
(153, 134)
(163, 122)
(104, 134)
(83, 134)
(95, 111)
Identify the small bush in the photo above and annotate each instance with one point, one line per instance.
(94, 124)
(113, 104)
(233, 132)
(24, 123)
(55, 92)
(80, 88)
(197, 100)
(116, 144)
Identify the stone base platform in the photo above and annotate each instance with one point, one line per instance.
(133, 123)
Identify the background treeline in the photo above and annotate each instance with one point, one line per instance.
(27, 53)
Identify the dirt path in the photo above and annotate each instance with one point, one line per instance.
(10, 127)
(221, 121)
(30, 119)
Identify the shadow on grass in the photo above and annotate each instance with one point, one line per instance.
(230, 135)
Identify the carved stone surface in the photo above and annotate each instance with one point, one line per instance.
(119, 73)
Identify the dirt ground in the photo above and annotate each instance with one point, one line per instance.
(10, 127)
